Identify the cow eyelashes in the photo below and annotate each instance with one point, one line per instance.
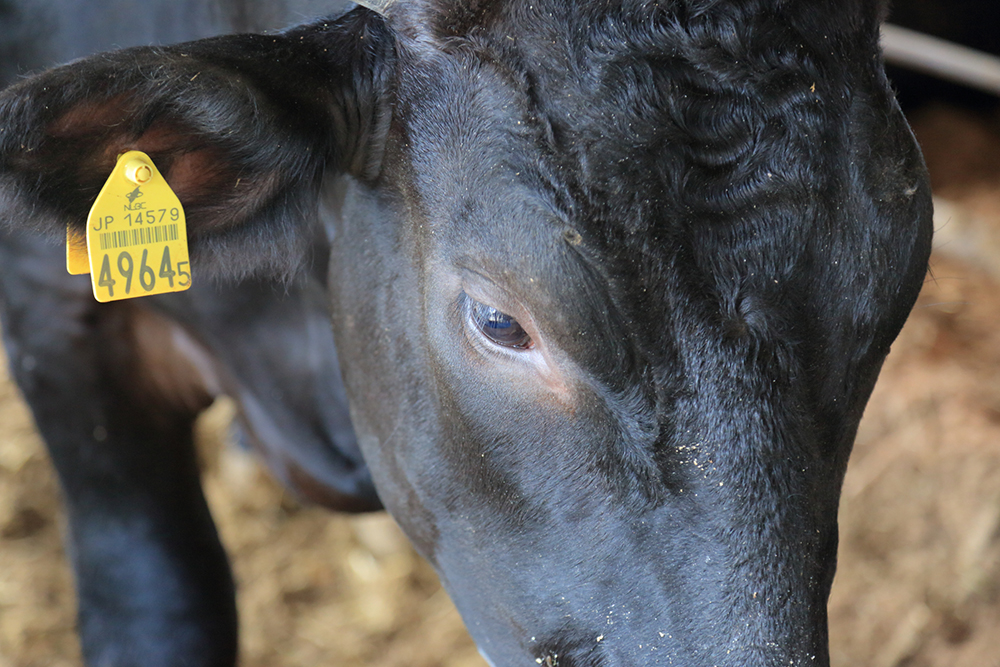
(498, 327)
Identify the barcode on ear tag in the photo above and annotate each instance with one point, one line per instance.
(136, 234)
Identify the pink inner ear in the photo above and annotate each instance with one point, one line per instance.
(90, 118)
(216, 191)
(201, 174)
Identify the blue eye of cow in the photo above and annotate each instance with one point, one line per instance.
(500, 328)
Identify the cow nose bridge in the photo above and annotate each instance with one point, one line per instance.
(707, 630)
(750, 596)
(653, 619)
(642, 655)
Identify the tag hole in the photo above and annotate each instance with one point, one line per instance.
(138, 172)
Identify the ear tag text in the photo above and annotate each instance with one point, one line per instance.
(136, 241)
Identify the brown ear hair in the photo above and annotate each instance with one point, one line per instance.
(243, 127)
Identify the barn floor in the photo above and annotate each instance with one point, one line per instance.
(919, 578)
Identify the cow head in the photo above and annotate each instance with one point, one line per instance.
(611, 284)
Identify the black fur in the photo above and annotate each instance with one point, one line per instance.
(709, 215)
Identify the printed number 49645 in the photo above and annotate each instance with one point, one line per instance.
(144, 274)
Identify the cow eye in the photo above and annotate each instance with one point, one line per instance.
(500, 328)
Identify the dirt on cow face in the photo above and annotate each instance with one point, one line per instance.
(919, 576)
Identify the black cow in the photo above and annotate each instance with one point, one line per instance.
(610, 285)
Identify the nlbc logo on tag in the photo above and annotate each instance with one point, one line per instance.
(136, 243)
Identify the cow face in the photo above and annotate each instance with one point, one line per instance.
(610, 285)
(639, 295)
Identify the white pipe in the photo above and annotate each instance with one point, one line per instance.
(377, 6)
(930, 55)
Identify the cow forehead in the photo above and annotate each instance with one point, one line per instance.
(498, 113)
(693, 153)
(491, 182)
(624, 125)
(444, 19)
(619, 108)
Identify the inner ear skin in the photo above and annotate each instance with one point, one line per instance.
(92, 118)
(210, 189)
(89, 139)
(243, 127)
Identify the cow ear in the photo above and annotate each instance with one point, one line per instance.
(243, 127)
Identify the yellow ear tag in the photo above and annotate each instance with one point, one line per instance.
(136, 235)
(77, 261)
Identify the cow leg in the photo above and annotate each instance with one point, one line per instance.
(153, 580)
